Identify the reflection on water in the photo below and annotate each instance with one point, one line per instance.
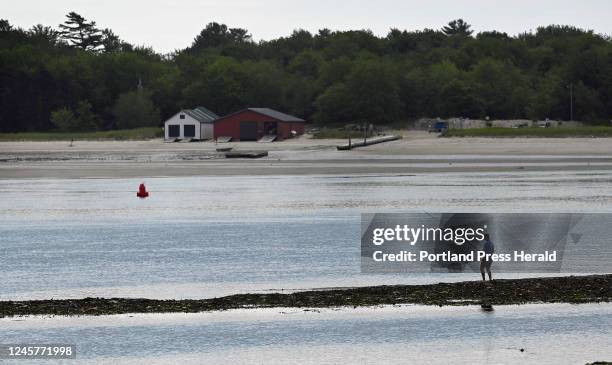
(210, 236)
(550, 334)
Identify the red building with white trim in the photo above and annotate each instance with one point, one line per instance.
(252, 124)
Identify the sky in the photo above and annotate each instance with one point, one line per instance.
(172, 24)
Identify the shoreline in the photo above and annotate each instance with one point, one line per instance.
(568, 289)
(130, 171)
(415, 153)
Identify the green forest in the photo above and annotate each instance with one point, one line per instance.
(79, 76)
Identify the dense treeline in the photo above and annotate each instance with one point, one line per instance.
(79, 77)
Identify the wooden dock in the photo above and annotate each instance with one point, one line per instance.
(246, 154)
(367, 142)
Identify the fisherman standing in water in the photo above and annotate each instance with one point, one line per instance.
(486, 261)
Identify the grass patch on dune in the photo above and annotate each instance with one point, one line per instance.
(115, 135)
(560, 132)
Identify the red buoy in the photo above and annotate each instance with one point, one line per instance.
(142, 191)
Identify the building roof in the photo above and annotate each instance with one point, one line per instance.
(201, 114)
(274, 114)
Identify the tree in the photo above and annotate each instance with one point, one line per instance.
(501, 88)
(306, 63)
(5, 26)
(135, 109)
(334, 105)
(80, 33)
(588, 106)
(374, 92)
(44, 34)
(110, 41)
(458, 100)
(548, 100)
(87, 119)
(369, 95)
(84, 119)
(64, 119)
(216, 35)
(457, 27)
(325, 76)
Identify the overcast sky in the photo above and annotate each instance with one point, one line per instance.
(172, 24)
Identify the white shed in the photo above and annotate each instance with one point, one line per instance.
(190, 124)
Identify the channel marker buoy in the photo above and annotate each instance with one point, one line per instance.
(142, 191)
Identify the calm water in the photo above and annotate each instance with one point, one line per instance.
(549, 334)
(210, 236)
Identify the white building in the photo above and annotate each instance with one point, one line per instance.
(190, 124)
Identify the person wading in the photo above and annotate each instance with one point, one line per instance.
(486, 261)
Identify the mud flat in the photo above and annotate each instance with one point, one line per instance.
(569, 289)
(414, 153)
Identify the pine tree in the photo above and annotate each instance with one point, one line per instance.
(5, 26)
(110, 41)
(457, 27)
(80, 33)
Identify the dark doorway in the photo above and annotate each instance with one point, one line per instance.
(270, 129)
(174, 130)
(248, 131)
(189, 130)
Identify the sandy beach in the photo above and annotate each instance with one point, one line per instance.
(417, 152)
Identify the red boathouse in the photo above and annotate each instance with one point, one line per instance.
(252, 124)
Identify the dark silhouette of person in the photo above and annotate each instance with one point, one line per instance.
(485, 262)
